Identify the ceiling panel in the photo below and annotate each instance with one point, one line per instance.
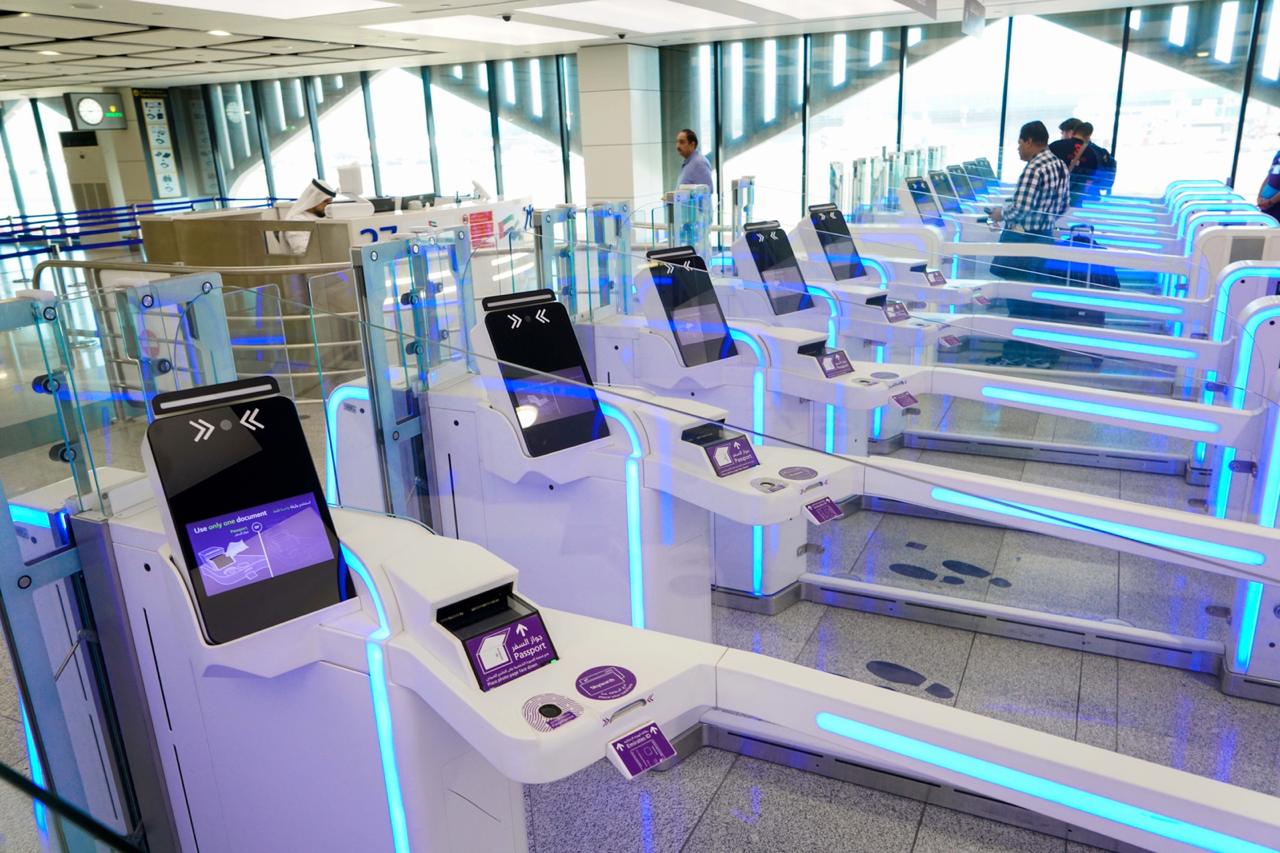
(208, 68)
(367, 53)
(168, 37)
(55, 28)
(82, 47)
(72, 67)
(294, 45)
(10, 39)
(288, 61)
(26, 57)
(131, 61)
(197, 54)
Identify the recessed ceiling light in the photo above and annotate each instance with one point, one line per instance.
(85, 6)
(56, 53)
(652, 16)
(279, 11)
(813, 10)
(218, 33)
(485, 29)
(1200, 54)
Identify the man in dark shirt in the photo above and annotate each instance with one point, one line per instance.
(1096, 169)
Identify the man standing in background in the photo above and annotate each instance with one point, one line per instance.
(696, 169)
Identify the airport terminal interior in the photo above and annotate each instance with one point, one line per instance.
(688, 425)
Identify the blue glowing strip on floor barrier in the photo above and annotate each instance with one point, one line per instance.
(1146, 536)
(1106, 302)
(331, 409)
(877, 414)
(37, 769)
(1115, 242)
(757, 436)
(1118, 217)
(29, 517)
(1103, 343)
(880, 269)
(757, 559)
(382, 706)
(635, 554)
(829, 443)
(1031, 785)
(1069, 404)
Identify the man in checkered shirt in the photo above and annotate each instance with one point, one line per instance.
(1043, 190)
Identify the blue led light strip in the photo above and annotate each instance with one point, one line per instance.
(757, 436)
(1031, 785)
(877, 414)
(382, 707)
(37, 769)
(635, 554)
(1106, 302)
(1069, 404)
(1103, 343)
(331, 409)
(1145, 245)
(1146, 536)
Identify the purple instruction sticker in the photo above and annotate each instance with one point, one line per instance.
(949, 341)
(835, 363)
(981, 300)
(905, 399)
(732, 456)
(606, 682)
(822, 511)
(515, 649)
(935, 278)
(640, 750)
(264, 541)
(895, 311)
(797, 472)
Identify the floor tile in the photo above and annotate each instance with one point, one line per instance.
(946, 831)
(1099, 689)
(1027, 684)
(1056, 576)
(1077, 478)
(781, 636)
(1166, 597)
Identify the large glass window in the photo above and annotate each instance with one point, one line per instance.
(529, 130)
(1262, 116)
(1182, 84)
(569, 96)
(687, 75)
(9, 204)
(344, 133)
(762, 93)
(194, 143)
(235, 124)
(400, 126)
(853, 102)
(28, 159)
(464, 137)
(293, 154)
(54, 122)
(1062, 66)
(951, 94)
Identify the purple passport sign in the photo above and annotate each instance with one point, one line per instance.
(640, 750)
(835, 363)
(822, 511)
(732, 456)
(606, 682)
(505, 654)
(905, 399)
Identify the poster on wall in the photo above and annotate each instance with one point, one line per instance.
(975, 18)
(157, 134)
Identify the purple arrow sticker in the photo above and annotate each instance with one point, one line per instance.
(606, 682)
(822, 511)
(835, 363)
(515, 649)
(949, 341)
(640, 750)
(905, 399)
(935, 278)
(896, 312)
(731, 456)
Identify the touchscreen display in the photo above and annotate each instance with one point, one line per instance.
(960, 181)
(265, 541)
(945, 192)
(784, 283)
(251, 520)
(976, 176)
(925, 205)
(689, 298)
(545, 375)
(837, 244)
(895, 311)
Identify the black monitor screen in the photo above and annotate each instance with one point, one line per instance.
(837, 243)
(945, 192)
(923, 197)
(984, 167)
(960, 181)
(249, 514)
(689, 298)
(976, 176)
(546, 376)
(776, 262)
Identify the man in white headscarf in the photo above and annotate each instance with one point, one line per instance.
(311, 204)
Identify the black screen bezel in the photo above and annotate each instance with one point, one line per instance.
(945, 193)
(827, 237)
(201, 480)
(922, 195)
(773, 251)
(534, 348)
(960, 182)
(976, 175)
(985, 168)
(689, 280)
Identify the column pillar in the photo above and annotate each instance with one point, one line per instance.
(621, 120)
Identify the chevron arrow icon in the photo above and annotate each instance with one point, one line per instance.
(515, 321)
(204, 429)
(249, 422)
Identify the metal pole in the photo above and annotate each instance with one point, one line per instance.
(1254, 29)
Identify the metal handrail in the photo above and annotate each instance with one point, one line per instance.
(182, 269)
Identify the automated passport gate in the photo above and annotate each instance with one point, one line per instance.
(359, 700)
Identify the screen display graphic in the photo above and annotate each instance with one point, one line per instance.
(693, 311)
(265, 541)
(946, 193)
(543, 399)
(836, 242)
(784, 283)
(960, 181)
(925, 205)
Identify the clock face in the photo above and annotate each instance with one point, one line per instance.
(89, 110)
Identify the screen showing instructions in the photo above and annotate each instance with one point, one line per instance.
(261, 542)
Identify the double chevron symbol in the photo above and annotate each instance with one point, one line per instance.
(249, 422)
(204, 429)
